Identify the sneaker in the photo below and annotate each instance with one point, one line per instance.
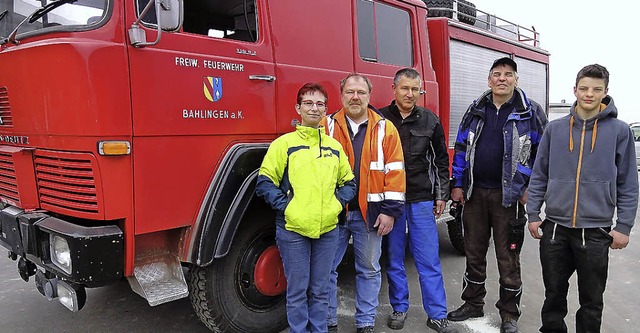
(332, 329)
(396, 320)
(465, 312)
(441, 325)
(509, 326)
(366, 329)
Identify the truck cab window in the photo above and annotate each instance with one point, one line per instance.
(69, 16)
(230, 19)
(379, 41)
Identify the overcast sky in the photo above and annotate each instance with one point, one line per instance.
(582, 32)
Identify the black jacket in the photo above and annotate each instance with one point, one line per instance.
(426, 158)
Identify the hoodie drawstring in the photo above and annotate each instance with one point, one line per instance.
(594, 134)
(571, 135)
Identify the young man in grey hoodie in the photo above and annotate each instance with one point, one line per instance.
(585, 170)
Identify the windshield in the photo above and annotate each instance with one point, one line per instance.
(77, 15)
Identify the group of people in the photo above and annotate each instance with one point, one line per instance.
(374, 175)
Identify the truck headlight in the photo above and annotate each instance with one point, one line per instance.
(60, 253)
(73, 297)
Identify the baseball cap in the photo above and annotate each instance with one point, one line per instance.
(504, 61)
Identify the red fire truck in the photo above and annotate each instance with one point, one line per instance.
(131, 131)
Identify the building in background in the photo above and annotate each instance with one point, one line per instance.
(557, 110)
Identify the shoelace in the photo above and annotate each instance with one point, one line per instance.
(397, 314)
(440, 322)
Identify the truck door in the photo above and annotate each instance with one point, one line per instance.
(193, 94)
(384, 48)
(310, 49)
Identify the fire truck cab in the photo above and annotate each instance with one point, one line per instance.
(131, 131)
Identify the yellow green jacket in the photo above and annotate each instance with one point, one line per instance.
(306, 177)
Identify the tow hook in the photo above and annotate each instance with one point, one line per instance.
(26, 269)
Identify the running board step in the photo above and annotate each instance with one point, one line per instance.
(159, 279)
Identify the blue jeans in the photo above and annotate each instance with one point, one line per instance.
(423, 242)
(307, 265)
(367, 246)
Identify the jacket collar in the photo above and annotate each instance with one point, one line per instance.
(307, 133)
(609, 110)
(373, 115)
(395, 110)
(519, 102)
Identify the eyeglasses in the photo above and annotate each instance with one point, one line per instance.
(310, 104)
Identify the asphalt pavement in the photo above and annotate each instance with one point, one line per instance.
(116, 308)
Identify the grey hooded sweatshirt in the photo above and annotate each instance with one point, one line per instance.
(584, 170)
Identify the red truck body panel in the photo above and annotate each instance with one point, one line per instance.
(196, 107)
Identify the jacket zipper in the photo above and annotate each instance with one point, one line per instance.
(321, 184)
(472, 161)
(578, 172)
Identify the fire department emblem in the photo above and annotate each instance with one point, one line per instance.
(212, 88)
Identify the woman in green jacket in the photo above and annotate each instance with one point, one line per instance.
(306, 178)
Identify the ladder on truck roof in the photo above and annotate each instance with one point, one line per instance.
(466, 12)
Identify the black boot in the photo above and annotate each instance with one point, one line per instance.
(465, 312)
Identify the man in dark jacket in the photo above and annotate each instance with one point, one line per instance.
(494, 153)
(585, 172)
(427, 169)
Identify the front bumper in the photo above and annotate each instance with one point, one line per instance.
(96, 253)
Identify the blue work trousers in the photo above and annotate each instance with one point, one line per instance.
(307, 265)
(422, 236)
(367, 246)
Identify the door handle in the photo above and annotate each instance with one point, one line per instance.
(269, 78)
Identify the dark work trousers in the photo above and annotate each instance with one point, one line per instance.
(564, 251)
(482, 213)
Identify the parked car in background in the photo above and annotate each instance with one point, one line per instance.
(635, 127)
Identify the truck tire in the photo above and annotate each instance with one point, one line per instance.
(464, 7)
(456, 236)
(439, 4)
(468, 8)
(224, 294)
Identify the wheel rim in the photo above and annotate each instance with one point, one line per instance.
(259, 251)
(269, 273)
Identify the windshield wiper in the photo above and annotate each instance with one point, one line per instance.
(3, 14)
(40, 12)
(36, 15)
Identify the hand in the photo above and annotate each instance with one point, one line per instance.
(525, 195)
(456, 195)
(533, 229)
(620, 240)
(384, 223)
(439, 208)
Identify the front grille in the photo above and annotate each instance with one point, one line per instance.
(67, 183)
(6, 120)
(8, 183)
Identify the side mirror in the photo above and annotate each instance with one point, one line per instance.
(169, 16)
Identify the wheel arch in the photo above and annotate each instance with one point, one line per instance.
(230, 193)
